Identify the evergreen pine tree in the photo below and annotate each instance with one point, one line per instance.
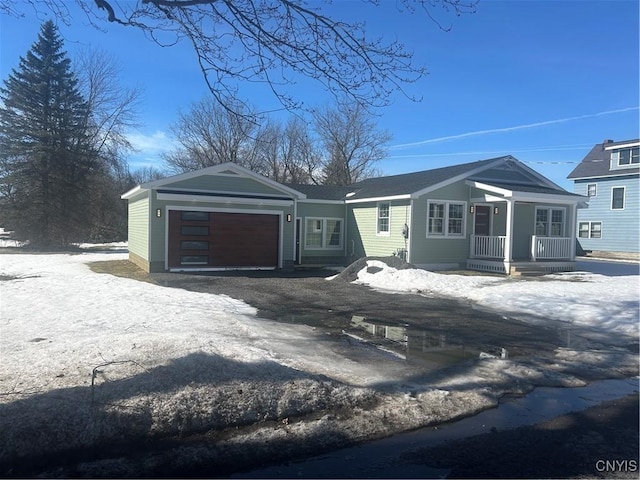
(46, 161)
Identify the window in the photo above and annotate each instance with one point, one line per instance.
(323, 233)
(446, 219)
(194, 216)
(550, 222)
(194, 245)
(195, 230)
(617, 198)
(194, 260)
(592, 189)
(383, 219)
(629, 156)
(590, 230)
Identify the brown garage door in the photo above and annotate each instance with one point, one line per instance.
(222, 240)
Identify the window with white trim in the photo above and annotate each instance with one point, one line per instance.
(592, 189)
(550, 222)
(446, 219)
(617, 198)
(323, 233)
(627, 156)
(383, 218)
(590, 230)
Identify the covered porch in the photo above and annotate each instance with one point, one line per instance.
(521, 229)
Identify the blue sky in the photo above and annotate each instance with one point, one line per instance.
(541, 80)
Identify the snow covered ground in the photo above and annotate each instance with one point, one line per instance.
(581, 298)
(88, 358)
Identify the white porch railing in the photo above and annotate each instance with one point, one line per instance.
(487, 246)
(551, 248)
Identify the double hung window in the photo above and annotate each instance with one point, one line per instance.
(446, 219)
(550, 222)
(323, 233)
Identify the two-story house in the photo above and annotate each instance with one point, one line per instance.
(610, 177)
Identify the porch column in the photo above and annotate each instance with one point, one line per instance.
(572, 230)
(508, 241)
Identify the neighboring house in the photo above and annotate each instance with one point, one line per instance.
(493, 215)
(609, 176)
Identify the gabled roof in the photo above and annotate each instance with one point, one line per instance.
(322, 192)
(411, 183)
(597, 163)
(222, 169)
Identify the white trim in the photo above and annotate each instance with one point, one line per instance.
(617, 146)
(168, 208)
(130, 193)
(532, 197)
(624, 198)
(404, 196)
(178, 197)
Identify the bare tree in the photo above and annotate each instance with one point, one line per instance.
(270, 41)
(289, 153)
(210, 134)
(352, 143)
(113, 108)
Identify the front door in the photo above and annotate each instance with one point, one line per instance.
(482, 223)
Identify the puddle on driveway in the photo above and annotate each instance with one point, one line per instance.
(430, 349)
(390, 457)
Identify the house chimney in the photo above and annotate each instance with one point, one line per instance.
(606, 142)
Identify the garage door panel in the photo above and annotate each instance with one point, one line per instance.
(224, 240)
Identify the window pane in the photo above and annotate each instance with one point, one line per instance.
(333, 233)
(592, 190)
(435, 226)
(194, 260)
(635, 155)
(195, 216)
(455, 226)
(313, 237)
(194, 230)
(436, 210)
(625, 157)
(617, 198)
(194, 245)
(456, 210)
(583, 230)
(542, 222)
(596, 230)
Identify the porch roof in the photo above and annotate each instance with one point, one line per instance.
(502, 191)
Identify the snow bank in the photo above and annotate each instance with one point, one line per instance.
(92, 359)
(598, 301)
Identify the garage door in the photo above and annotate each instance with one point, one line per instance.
(222, 240)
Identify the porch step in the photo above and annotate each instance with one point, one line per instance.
(527, 271)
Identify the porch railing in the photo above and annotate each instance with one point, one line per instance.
(551, 248)
(487, 246)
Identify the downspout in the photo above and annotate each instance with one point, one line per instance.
(409, 222)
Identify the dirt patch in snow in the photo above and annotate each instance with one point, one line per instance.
(350, 273)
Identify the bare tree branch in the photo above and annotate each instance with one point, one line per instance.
(272, 41)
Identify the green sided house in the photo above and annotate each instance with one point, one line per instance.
(494, 215)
